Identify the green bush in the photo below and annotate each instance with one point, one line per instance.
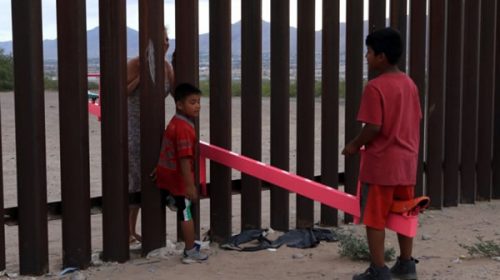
(484, 248)
(356, 248)
(266, 88)
(93, 86)
(205, 87)
(6, 72)
(50, 84)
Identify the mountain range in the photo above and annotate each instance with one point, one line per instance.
(50, 46)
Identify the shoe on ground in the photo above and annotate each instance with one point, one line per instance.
(374, 273)
(134, 242)
(193, 255)
(404, 269)
(170, 201)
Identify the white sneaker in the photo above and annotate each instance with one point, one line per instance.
(193, 256)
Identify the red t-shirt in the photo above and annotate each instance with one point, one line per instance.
(178, 142)
(392, 102)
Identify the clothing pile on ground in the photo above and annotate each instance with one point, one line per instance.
(297, 238)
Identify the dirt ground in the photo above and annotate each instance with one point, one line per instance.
(437, 244)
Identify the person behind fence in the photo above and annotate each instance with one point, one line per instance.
(390, 111)
(175, 169)
(134, 133)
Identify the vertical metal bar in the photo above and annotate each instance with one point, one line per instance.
(496, 116)
(376, 15)
(486, 89)
(251, 108)
(220, 116)
(74, 132)
(2, 220)
(354, 88)
(454, 70)
(305, 106)
(399, 18)
(468, 181)
(152, 119)
(113, 54)
(186, 41)
(418, 27)
(30, 136)
(186, 68)
(280, 107)
(376, 20)
(435, 118)
(330, 105)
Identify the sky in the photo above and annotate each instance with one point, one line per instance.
(50, 26)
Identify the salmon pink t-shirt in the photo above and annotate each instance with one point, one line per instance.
(391, 101)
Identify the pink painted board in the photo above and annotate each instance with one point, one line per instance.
(348, 203)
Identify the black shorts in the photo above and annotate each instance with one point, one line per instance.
(182, 203)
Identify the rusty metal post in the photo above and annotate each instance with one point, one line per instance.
(399, 17)
(376, 15)
(280, 108)
(470, 94)
(186, 41)
(152, 120)
(74, 132)
(251, 109)
(435, 118)
(30, 136)
(220, 116)
(354, 88)
(330, 105)
(418, 27)
(186, 70)
(113, 54)
(486, 100)
(2, 220)
(376, 20)
(454, 73)
(305, 106)
(496, 115)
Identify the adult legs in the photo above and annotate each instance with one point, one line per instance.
(132, 221)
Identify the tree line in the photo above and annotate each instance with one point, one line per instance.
(266, 88)
(6, 72)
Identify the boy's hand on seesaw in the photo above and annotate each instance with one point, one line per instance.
(350, 149)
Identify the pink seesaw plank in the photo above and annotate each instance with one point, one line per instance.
(308, 188)
(406, 225)
(95, 109)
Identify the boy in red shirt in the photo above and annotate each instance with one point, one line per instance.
(176, 164)
(390, 111)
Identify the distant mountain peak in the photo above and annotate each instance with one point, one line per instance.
(50, 46)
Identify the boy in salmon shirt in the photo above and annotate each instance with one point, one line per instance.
(390, 111)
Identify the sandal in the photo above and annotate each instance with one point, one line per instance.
(137, 237)
(133, 240)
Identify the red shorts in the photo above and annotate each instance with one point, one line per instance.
(376, 202)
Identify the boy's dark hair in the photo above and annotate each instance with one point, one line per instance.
(184, 90)
(387, 41)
